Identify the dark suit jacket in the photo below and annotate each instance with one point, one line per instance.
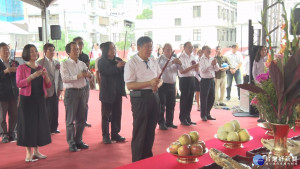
(112, 79)
(8, 87)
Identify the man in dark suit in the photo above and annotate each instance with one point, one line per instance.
(53, 68)
(112, 89)
(8, 95)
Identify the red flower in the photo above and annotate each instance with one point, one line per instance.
(267, 40)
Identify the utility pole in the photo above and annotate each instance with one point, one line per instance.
(66, 29)
(265, 4)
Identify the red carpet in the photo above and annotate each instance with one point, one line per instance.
(109, 156)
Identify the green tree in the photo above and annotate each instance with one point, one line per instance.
(146, 14)
(130, 38)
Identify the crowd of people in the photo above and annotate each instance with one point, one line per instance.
(30, 92)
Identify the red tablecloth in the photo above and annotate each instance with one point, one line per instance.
(167, 161)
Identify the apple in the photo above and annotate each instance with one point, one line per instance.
(194, 136)
(184, 150)
(202, 143)
(173, 148)
(185, 139)
(196, 149)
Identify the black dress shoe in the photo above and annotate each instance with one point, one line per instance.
(82, 145)
(192, 123)
(185, 123)
(87, 125)
(106, 140)
(204, 118)
(210, 118)
(73, 148)
(118, 138)
(55, 132)
(172, 126)
(163, 127)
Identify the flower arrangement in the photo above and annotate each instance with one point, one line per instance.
(276, 92)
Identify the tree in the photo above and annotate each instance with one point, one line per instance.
(146, 14)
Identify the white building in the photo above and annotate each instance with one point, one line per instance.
(86, 18)
(205, 22)
(274, 19)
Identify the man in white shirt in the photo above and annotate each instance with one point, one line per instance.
(235, 59)
(187, 84)
(74, 73)
(208, 66)
(141, 78)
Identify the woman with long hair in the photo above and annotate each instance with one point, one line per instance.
(111, 69)
(259, 68)
(33, 125)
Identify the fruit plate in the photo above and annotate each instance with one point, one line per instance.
(266, 126)
(241, 159)
(187, 159)
(233, 144)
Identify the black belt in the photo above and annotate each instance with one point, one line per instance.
(140, 93)
(76, 89)
(207, 78)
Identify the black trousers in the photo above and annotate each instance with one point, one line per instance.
(145, 109)
(167, 103)
(246, 79)
(207, 96)
(187, 88)
(113, 111)
(52, 110)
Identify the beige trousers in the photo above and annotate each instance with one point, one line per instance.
(220, 86)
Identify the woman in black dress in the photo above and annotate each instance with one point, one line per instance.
(33, 125)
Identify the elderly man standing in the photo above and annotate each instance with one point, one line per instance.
(167, 91)
(187, 84)
(74, 74)
(141, 77)
(53, 68)
(84, 58)
(208, 66)
(8, 95)
(235, 59)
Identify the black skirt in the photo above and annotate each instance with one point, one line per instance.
(33, 125)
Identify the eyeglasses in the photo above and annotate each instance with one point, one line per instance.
(148, 47)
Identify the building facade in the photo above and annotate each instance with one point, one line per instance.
(11, 10)
(204, 22)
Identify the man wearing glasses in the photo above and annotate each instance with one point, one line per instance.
(187, 84)
(141, 78)
(84, 58)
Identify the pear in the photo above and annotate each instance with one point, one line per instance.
(229, 127)
(236, 124)
(222, 135)
(233, 136)
(244, 135)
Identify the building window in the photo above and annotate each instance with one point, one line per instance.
(232, 16)
(227, 13)
(197, 35)
(177, 37)
(177, 21)
(219, 12)
(196, 11)
(149, 33)
(224, 13)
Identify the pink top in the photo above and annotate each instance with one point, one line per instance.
(23, 72)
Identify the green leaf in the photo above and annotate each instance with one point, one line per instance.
(252, 88)
(277, 79)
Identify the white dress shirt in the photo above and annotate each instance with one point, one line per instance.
(206, 69)
(186, 61)
(170, 73)
(234, 58)
(69, 71)
(136, 70)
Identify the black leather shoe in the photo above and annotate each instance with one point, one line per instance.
(88, 125)
(204, 118)
(210, 118)
(73, 148)
(55, 132)
(118, 138)
(185, 123)
(192, 123)
(172, 126)
(106, 140)
(163, 127)
(82, 145)
(5, 139)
